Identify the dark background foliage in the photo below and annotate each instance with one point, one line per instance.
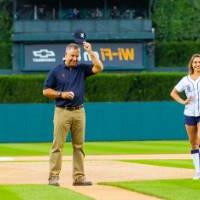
(123, 87)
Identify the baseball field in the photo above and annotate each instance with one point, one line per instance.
(119, 170)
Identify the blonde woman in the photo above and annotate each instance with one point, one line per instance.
(190, 85)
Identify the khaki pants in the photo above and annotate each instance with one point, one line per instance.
(65, 120)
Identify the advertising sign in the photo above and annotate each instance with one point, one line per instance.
(115, 56)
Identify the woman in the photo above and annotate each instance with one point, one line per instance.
(190, 84)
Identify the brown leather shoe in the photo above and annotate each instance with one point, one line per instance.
(82, 183)
(54, 180)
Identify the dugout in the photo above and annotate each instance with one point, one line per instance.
(42, 28)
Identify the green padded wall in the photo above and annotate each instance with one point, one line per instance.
(105, 121)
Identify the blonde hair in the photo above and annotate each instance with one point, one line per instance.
(190, 68)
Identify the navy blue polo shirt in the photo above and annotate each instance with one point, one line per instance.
(63, 78)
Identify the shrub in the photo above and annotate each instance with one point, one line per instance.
(105, 87)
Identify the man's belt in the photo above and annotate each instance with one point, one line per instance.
(71, 107)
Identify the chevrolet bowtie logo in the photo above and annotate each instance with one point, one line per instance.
(44, 55)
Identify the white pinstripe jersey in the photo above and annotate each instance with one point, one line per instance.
(191, 89)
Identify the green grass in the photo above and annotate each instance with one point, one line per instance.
(38, 192)
(33, 192)
(166, 163)
(24, 149)
(167, 189)
(99, 148)
(44, 192)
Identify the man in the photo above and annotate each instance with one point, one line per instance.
(65, 84)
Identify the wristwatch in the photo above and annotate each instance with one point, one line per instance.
(59, 94)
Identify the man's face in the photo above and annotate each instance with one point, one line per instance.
(71, 57)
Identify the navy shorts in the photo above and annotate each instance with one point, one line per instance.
(191, 121)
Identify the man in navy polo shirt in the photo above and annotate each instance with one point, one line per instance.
(66, 84)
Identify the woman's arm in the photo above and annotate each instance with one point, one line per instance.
(175, 95)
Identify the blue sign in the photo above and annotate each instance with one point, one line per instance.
(115, 56)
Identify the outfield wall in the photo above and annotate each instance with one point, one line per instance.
(105, 121)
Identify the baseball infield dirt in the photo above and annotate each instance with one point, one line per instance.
(34, 170)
